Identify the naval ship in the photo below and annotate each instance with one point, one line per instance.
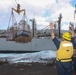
(18, 42)
(10, 42)
(15, 39)
(20, 38)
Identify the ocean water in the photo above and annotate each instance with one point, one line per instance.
(42, 56)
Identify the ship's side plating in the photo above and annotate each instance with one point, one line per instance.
(35, 45)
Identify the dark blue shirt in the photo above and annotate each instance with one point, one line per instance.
(57, 42)
(74, 45)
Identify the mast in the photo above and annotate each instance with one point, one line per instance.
(59, 24)
(74, 11)
(74, 16)
(33, 27)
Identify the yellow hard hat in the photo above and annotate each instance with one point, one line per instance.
(67, 36)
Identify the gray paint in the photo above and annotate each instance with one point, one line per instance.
(37, 44)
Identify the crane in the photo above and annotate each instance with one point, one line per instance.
(18, 9)
(18, 32)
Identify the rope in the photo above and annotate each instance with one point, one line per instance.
(26, 19)
(14, 19)
(23, 17)
(14, 3)
(9, 19)
(45, 27)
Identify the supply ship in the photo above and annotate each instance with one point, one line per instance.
(20, 38)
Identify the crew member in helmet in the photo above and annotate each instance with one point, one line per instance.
(64, 52)
(74, 56)
(18, 9)
(74, 44)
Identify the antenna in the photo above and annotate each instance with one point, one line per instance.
(74, 11)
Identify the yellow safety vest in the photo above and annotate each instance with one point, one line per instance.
(65, 51)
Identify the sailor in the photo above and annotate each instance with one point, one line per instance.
(74, 56)
(18, 9)
(64, 52)
(74, 44)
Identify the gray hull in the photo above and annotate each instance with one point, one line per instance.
(35, 45)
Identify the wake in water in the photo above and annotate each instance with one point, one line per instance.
(42, 56)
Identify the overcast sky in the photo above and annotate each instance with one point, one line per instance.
(44, 11)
